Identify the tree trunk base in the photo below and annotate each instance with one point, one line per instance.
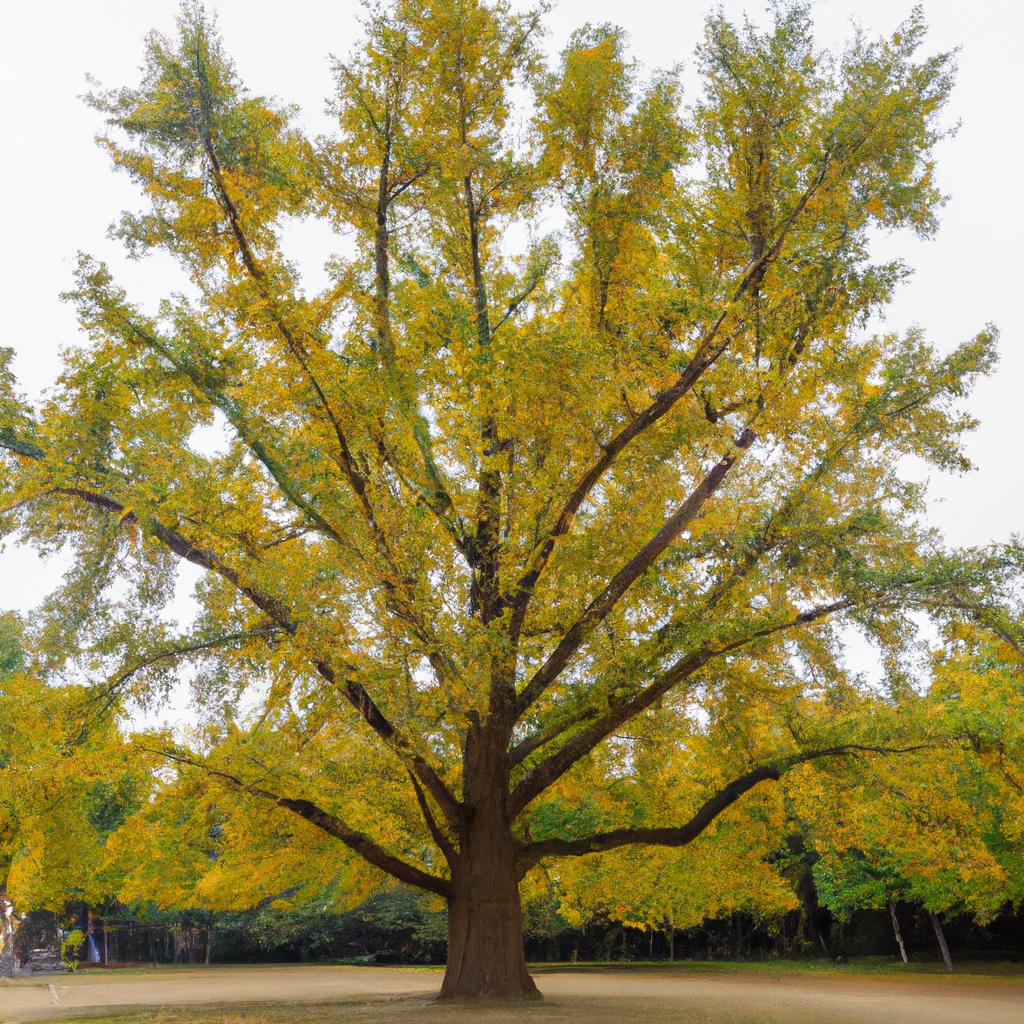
(472, 993)
(523, 994)
(484, 968)
(486, 960)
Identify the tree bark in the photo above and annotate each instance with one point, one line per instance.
(486, 960)
(941, 936)
(896, 930)
(8, 928)
(485, 935)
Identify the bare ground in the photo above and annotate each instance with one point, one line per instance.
(362, 995)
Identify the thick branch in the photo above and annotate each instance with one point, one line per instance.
(108, 692)
(357, 696)
(288, 487)
(683, 834)
(706, 354)
(366, 847)
(557, 764)
(354, 691)
(600, 607)
(542, 737)
(190, 552)
(346, 459)
(18, 445)
(356, 841)
(435, 830)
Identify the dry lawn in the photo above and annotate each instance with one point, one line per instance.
(364, 995)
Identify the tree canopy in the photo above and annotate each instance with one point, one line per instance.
(541, 530)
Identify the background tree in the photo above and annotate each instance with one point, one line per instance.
(943, 831)
(67, 783)
(11, 661)
(494, 508)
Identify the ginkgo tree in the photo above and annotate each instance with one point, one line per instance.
(67, 781)
(496, 503)
(942, 829)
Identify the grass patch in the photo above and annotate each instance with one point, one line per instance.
(869, 966)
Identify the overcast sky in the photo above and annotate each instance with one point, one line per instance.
(59, 193)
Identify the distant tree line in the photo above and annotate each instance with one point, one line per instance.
(399, 926)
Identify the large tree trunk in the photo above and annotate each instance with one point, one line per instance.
(485, 935)
(486, 960)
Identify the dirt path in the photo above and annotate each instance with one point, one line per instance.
(63, 995)
(404, 996)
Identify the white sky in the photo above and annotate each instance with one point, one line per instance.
(58, 194)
